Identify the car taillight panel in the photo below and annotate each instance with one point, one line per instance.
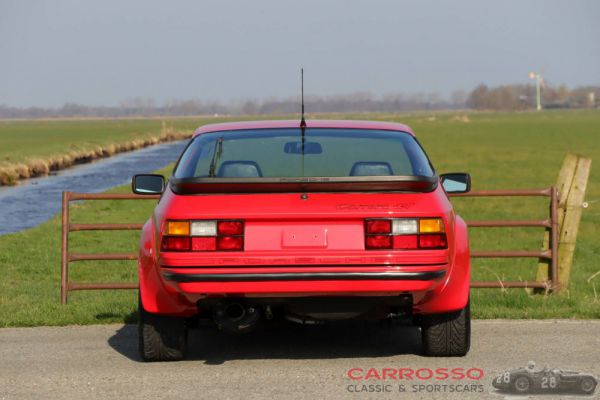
(432, 241)
(175, 243)
(204, 228)
(209, 235)
(204, 243)
(378, 242)
(230, 228)
(379, 226)
(177, 228)
(405, 234)
(229, 243)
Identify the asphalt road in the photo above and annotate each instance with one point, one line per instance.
(278, 362)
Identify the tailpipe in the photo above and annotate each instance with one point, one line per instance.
(235, 317)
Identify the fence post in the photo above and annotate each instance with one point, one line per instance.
(571, 219)
(64, 261)
(563, 185)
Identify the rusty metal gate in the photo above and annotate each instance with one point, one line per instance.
(551, 223)
(68, 257)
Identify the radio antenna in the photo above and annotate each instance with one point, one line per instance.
(302, 121)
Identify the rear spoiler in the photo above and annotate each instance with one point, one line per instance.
(419, 184)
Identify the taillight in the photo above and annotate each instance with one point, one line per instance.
(405, 234)
(204, 243)
(210, 235)
(230, 228)
(230, 243)
(178, 228)
(379, 226)
(432, 241)
(405, 242)
(379, 242)
(175, 243)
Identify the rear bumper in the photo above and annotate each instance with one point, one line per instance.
(305, 276)
(302, 280)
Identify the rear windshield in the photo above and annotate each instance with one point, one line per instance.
(324, 152)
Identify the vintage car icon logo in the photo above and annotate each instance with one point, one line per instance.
(545, 380)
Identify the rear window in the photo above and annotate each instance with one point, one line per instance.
(325, 152)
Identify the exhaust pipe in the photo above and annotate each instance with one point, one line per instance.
(235, 317)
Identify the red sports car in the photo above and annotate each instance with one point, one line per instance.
(311, 222)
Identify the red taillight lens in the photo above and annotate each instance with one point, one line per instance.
(203, 235)
(229, 243)
(405, 242)
(432, 241)
(204, 244)
(174, 243)
(405, 233)
(230, 228)
(379, 226)
(379, 242)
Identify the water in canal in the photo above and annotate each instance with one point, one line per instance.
(36, 200)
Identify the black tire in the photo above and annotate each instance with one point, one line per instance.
(161, 338)
(587, 385)
(447, 335)
(521, 385)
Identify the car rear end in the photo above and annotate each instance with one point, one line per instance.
(373, 243)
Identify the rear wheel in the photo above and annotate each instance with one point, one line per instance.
(161, 338)
(588, 385)
(447, 335)
(521, 384)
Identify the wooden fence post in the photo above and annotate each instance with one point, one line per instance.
(563, 185)
(571, 184)
(570, 222)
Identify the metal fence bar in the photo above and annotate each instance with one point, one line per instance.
(64, 251)
(97, 286)
(101, 256)
(104, 227)
(511, 224)
(512, 254)
(510, 285)
(111, 196)
(554, 239)
(547, 192)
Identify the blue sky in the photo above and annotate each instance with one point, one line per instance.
(104, 52)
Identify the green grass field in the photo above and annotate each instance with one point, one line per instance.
(501, 151)
(22, 140)
(33, 148)
(44, 139)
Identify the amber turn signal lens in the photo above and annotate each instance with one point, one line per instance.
(178, 228)
(431, 225)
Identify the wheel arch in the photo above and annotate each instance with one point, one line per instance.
(453, 294)
(155, 296)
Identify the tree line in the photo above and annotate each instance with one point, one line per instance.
(523, 97)
(505, 97)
